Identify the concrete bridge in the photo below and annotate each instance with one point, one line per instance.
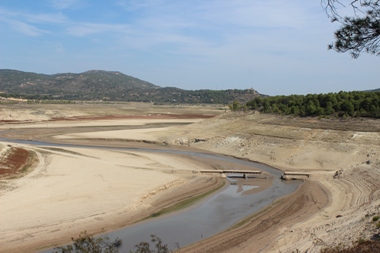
(294, 175)
(244, 172)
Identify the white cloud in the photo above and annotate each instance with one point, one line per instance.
(213, 22)
(134, 5)
(60, 49)
(24, 28)
(55, 18)
(64, 4)
(85, 29)
(27, 23)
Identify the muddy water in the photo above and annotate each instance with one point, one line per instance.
(216, 214)
(219, 212)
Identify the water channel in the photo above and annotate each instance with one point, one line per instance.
(217, 213)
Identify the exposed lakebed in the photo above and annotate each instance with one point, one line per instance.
(218, 212)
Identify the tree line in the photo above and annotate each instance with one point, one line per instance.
(341, 104)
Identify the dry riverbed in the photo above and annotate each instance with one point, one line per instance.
(57, 198)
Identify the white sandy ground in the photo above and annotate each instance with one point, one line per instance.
(136, 134)
(74, 188)
(77, 189)
(354, 195)
(60, 193)
(82, 123)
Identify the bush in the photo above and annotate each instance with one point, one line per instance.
(88, 244)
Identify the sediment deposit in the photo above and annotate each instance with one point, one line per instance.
(333, 207)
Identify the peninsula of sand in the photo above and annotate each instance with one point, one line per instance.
(49, 194)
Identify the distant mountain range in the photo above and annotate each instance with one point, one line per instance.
(108, 85)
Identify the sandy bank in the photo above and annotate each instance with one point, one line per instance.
(77, 189)
(341, 157)
(334, 206)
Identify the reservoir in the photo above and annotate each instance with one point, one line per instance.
(217, 213)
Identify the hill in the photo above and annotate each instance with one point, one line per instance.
(108, 85)
(94, 84)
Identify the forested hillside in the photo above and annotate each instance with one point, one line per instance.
(342, 104)
(108, 86)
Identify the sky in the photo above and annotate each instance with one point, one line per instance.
(275, 47)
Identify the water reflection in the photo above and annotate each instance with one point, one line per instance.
(216, 214)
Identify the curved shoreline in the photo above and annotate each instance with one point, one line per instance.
(159, 202)
(263, 227)
(187, 192)
(290, 145)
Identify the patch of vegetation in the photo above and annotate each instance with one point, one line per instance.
(88, 244)
(236, 106)
(342, 104)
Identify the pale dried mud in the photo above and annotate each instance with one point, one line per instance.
(334, 206)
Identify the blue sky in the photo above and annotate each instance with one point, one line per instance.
(275, 47)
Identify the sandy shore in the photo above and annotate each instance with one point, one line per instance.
(70, 190)
(76, 189)
(73, 190)
(94, 189)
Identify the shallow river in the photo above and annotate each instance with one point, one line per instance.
(217, 213)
